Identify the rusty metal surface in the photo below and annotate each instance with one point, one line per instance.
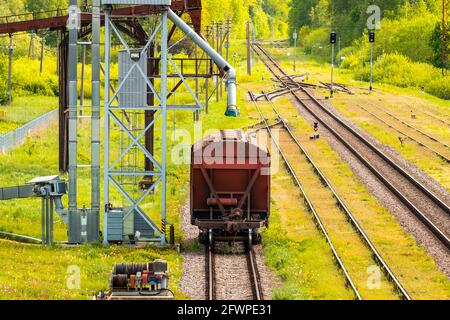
(57, 21)
(233, 183)
(26, 22)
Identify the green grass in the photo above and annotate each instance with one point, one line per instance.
(295, 250)
(39, 157)
(36, 272)
(23, 110)
(414, 267)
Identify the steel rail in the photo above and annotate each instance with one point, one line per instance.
(254, 275)
(210, 273)
(420, 186)
(416, 129)
(349, 215)
(252, 266)
(309, 204)
(440, 155)
(417, 212)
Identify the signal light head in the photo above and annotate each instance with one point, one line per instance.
(333, 38)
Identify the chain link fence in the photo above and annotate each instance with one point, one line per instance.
(17, 137)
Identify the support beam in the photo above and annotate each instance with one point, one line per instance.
(73, 101)
(95, 124)
(63, 102)
(42, 55)
(10, 56)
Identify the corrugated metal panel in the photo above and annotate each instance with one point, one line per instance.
(142, 226)
(115, 226)
(137, 2)
(134, 91)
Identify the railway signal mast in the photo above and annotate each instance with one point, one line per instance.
(443, 39)
(333, 39)
(371, 40)
(295, 49)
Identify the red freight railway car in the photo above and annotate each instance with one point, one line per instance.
(230, 187)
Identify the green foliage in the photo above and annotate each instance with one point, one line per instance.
(436, 45)
(396, 69)
(439, 87)
(26, 77)
(316, 42)
(262, 13)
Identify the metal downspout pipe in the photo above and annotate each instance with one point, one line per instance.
(72, 74)
(217, 58)
(95, 127)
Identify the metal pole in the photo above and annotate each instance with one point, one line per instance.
(43, 220)
(228, 38)
(339, 59)
(207, 96)
(371, 67)
(295, 52)
(10, 56)
(217, 50)
(73, 100)
(95, 125)
(42, 55)
(196, 113)
(47, 219)
(332, 70)
(50, 223)
(106, 126)
(164, 120)
(443, 39)
(221, 53)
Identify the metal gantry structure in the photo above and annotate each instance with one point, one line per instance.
(84, 223)
(149, 60)
(156, 86)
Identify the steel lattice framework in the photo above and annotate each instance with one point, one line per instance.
(112, 176)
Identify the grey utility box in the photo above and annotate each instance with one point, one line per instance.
(133, 92)
(83, 226)
(115, 226)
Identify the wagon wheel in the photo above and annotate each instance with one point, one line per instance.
(250, 240)
(210, 239)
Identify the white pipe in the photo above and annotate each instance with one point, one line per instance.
(217, 58)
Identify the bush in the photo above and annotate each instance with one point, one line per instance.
(398, 70)
(3, 94)
(316, 42)
(439, 88)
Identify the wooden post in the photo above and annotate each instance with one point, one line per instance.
(42, 55)
(10, 56)
(249, 65)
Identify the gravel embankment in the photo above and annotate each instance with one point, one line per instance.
(232, 276)
(403, 215)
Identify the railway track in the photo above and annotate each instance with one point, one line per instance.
(398, 287)
(433, 212)
(409, 136)
(244, 269)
